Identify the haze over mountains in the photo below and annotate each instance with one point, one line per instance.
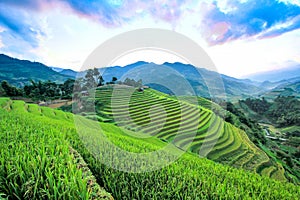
(20, 72)
(276, 75)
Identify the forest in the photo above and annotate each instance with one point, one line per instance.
(283, 111)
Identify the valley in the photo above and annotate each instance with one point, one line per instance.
(249, 140)
(149, 100)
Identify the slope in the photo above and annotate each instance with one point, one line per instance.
(37, 161)
(20, 72)
(187, 178)
(187, 126)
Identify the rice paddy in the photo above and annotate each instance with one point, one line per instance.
(188, 126)
(39, 160)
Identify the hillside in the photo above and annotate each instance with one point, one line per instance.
(189, 177)
(187, 126)
(281, 112)
(286, 88)
(20, 72)
(199, 78)
(234, 88)
(37, 160)
(280, 119)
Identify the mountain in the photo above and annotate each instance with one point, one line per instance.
(68, 72)
(289, 87)
(20, 72)
(276, 75)
(188, 79)
(203, 81)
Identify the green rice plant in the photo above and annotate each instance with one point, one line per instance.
(36, 163)
(133, 113)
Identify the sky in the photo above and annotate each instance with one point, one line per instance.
(241, 36)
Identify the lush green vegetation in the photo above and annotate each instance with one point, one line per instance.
(37, 161)
(39, 90)
(21, 72)
(183, 124)
(231, 114)
(280, 120)
(38, 130)
(282, 112)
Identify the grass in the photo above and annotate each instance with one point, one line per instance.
(36, 150)
(35, 161)
(181, 122)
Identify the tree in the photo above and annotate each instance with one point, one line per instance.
(139, 83)
(9, 90)
(89, 79)
(114, 79)
(96, 74)
(100, 81)
(67, 88)
(132, 82)
(98, 78)
(2, 92)
(93, 78)
(6, 87)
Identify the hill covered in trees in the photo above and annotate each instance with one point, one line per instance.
(282, 112)
(21, 72)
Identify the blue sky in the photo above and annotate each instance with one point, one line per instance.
(241, 36)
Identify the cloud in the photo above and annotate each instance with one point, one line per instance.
(115, 13)
(19, 25)
(102, 11)
(110, 13)
(30, 4)
(221, 20)
(263, 18)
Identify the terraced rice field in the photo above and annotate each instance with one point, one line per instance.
(186, 125)
(37, 161)
(41, 148)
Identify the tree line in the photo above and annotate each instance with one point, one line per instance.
(38, 90)
(50, 90)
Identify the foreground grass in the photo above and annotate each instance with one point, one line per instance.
(36, 138)
(36, 161)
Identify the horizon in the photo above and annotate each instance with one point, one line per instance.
(118, 64)
(63, 34)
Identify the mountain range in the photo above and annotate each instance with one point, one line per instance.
(276, 75)
(20, 72)
(202, 81)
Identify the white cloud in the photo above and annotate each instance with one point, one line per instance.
(243, 57)
(69, 39)
(295, 2)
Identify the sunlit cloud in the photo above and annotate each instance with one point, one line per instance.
(251, 18)
(63, 33)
